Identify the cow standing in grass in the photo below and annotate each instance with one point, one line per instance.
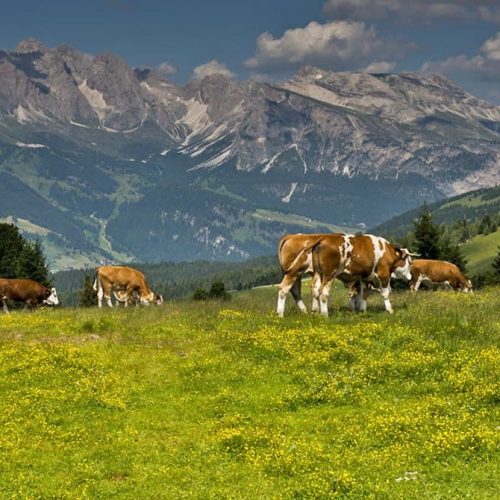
(295, 258)
(29, 292)
(359, 261)
(438, 271)
(127, 283)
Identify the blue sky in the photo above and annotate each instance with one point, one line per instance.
(271, 39)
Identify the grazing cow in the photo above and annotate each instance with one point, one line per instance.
(438, 271)
(127, 282)
(364, 259)
(295, 258)
(121, 297)
(30, 292)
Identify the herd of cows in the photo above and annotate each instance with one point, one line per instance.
(363, 262)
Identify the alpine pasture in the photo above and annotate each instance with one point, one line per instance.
(226, 400)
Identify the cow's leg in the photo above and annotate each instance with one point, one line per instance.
(385, 292)
(353, 295)
(286, 284)
(100, 293)
(324, 295)
(297, 294)
(4, 306)
(361, 297)
(106, 291)
(315, 287)
(415, 284)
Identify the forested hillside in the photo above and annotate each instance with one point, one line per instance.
(181, 279)
(470, 206)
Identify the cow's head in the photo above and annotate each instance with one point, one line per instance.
(467, 287)
(152, 298)
(52, 299)
(402, 265)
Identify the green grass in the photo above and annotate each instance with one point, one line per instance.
(225, 400)
(480, 252)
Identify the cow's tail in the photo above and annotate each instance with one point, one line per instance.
(95, 280)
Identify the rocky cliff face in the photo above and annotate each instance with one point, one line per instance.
(119, 163)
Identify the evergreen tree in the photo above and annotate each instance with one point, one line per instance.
(426, 235)
(20, 258)
(452, 253)
(31, 263)
(88, 296)
(218, 291)
(465, 230)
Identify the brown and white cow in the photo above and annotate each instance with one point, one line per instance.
(438, 271)
(363, 258)
(30, 292)
(127, 281)
(295, 258)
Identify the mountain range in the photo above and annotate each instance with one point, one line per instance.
(105, 162)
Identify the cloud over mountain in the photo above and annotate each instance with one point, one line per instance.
(212, 67)
(338, 45)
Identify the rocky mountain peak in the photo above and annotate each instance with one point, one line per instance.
(30, 45)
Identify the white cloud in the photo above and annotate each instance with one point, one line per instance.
(484, 66)
(423, 11)
(379, 67)
(336, 45)
(212, 67)
(166, 68)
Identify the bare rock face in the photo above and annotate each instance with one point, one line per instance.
(145, 168)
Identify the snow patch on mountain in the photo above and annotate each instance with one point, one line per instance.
(288, 197)
(96, 101)
(30, 146)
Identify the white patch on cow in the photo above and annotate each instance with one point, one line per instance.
(403, 272)
(346, 250)
(378, 252)
(52, 299)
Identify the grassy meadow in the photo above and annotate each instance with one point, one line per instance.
(480, 252)
(225, 400)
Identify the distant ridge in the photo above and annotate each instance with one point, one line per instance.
(119, 164)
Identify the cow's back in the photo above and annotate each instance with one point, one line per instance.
(435, 270)
(120, 275)
(23, 289)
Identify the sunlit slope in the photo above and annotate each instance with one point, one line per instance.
(480, 252)
(225, 400)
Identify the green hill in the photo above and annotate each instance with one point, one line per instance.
(480, 252)
(472, 205)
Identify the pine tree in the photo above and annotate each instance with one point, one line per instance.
(31, 263)
(426, 235)
(452, 253)
(88, 296)
(20, 258)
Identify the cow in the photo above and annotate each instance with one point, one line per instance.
(30, 292)
(363, 262)
(438, 271)
(122, 297)
(127, 282)
(295, 258)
